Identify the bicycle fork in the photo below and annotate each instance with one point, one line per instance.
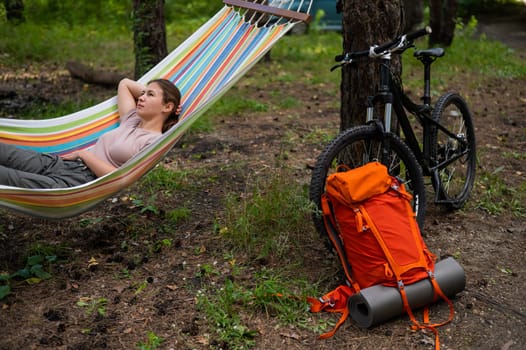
(383, 127)
(387, 100)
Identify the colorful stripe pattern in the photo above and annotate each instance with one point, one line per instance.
(204, 67)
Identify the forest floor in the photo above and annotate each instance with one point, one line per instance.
(489, 314)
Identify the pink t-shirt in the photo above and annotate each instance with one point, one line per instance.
(120, 144)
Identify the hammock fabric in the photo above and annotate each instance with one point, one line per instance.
(203, 67)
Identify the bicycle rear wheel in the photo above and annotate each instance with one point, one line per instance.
(358, 146)
(453, 150)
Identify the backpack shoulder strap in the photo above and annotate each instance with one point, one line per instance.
(332, 228)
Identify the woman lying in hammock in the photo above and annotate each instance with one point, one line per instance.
(146, 112)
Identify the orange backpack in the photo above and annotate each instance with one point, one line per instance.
(371, 224)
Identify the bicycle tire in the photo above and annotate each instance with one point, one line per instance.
(456, 177)
(360, 145)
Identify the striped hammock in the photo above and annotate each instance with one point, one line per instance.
(203, 67)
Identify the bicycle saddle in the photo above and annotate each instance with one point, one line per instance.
(434, 52)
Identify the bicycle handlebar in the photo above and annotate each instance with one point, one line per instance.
(399, 44)
(418, 33)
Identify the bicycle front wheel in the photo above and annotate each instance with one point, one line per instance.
(453, 150)
(358, 146)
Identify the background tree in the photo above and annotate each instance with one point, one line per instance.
(14, 11)
(149, 34)
(442, 20)
(413, 14)
(365, 23)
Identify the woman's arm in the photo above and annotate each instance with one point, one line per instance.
(127, 94)
(97, 165)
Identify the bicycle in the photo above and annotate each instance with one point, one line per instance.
(447, 153)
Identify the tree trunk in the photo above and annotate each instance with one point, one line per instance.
(14, 11)
(413, 14)
(149, 34)
(442, 20)
(89, 75)
(365, 23)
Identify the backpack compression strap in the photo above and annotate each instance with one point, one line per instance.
(334, 301)
(398, 270)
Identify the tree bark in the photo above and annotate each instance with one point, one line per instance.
(149, 34)
(365, 23)
(442, 21)
(89, 75)
(413, 14)
(14, 11)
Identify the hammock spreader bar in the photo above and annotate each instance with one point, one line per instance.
(277, 11)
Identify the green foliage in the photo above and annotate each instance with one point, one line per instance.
(93, 305)
(112, 12)
(485, 6)
(148, 205)
(179, 214)
(153, 342)
(199, 10)
(34, 272)
(5, 288)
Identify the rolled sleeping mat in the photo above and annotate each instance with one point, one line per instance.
(376, 304)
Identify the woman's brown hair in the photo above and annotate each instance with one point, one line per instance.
(170, 94)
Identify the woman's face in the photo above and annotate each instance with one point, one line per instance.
(150, 103)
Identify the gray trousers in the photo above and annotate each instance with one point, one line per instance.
(29, 169)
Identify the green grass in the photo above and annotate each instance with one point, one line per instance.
(57, 43)
(228, 308)
(163, 179)
(269, 217)
(153, 342)
(482, 55)
(496, 197)
(479, 56)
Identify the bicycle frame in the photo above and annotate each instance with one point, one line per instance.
(393, 97)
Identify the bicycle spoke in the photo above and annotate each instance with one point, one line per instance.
(453, 151)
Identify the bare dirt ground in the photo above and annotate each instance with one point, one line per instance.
(490, 313)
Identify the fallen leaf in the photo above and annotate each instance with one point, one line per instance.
(92, 262)
(291, 335)
(507, 345)
(119, 288)
(202, 340)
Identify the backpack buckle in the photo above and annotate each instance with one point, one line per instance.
(400, 284)
(329, 301)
